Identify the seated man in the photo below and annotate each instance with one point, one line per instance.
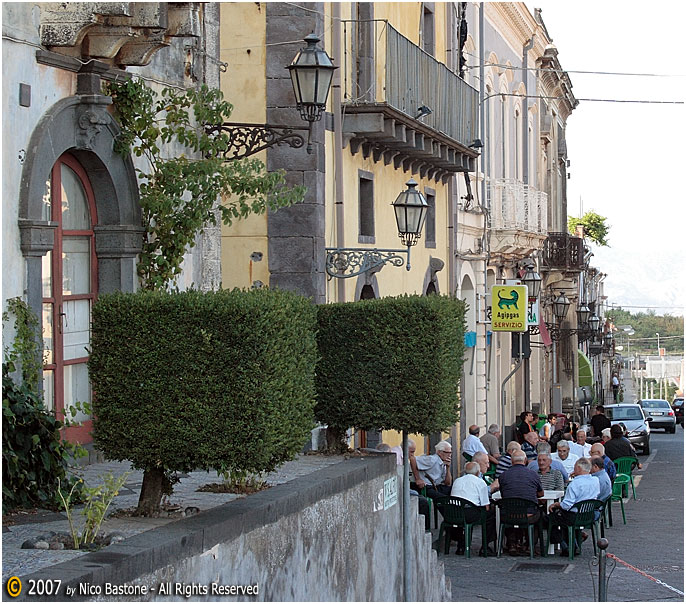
(472, 444)
(482, 460)
(564, 456)
(490, 443)
(472, 488)
(618, 446)
(583, 487)
(598, 470)
(505, 460)
(598, 450)
(580, 448)
(519, 481)
(433, 471)
(529, 445)
(422, 503)
(551, 479)
(555, 464)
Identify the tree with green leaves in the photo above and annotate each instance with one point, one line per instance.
(179, 193)
(185, 184)
(595, 227)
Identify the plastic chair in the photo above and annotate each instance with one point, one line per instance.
(467, 456)
(453, 511)
(625, 465)
(491, 471)
(584, 519)
(617, 492)
(514, 513)
(602, 508)
(432, 506)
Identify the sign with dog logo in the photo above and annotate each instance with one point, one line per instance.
(510, 306)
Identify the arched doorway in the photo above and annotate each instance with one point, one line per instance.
(69, 280)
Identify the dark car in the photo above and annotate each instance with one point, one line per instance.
(678, 408)
(634, 421)
(661, 412)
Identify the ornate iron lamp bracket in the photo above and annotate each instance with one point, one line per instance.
(559, 333)
(344, 263)
(245, 140)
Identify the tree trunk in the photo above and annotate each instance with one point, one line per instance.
(155, 483)
(335, 440)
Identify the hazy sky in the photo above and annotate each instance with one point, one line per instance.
(627, 159)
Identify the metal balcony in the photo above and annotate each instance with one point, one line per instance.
(386, 79)
(516, 206)
(562, 251)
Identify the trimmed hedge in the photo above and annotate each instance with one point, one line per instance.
(221, 380)
(391, 363)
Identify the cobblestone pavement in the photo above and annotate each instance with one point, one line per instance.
(17, 561)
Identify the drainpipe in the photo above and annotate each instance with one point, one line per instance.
(338, 140)
(525, 109)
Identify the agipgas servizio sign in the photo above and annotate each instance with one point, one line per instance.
(509, 307)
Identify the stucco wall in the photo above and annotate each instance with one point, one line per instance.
(324, 537)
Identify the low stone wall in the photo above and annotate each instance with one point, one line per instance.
(325, 537)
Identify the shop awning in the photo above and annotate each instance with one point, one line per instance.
(585, 375)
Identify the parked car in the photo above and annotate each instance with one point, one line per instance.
(678, 408)
(661, 412)
(636, 424)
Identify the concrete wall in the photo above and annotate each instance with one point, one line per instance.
(324, 537)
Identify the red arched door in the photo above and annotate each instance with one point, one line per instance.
(69, 289)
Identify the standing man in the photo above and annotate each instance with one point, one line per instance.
(615, 386)
(490, 442)
(433, 471)
(527, 419)
(599, 421)
(472, 444)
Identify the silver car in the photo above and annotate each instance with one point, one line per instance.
(661, 412)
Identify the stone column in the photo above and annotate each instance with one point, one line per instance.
(116, 247)
(296, 234)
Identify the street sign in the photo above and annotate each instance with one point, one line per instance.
(509, 307)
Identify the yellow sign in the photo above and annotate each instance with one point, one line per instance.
(509, 306)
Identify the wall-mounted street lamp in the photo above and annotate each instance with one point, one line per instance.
(311, 73)
(410, 209)
(594, 323)
(533, 281)
(587, 324)
(560, 307)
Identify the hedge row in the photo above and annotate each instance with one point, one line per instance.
(391, 363)
(192, 380)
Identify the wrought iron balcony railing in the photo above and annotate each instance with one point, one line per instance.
(564, 252)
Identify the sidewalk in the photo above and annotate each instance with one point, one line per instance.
(17, 561)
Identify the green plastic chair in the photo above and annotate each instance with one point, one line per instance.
(491, 471)
(431, 507)
(625, 465)
(453, 511)
(514, 513)
(467, 456)
(603, 508)
(584, 519)
(617, 492)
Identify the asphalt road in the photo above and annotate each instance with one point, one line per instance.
(652, 541)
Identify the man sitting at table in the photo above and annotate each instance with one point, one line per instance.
(551, 479)
(490, 443)
(433, 471)
(505, 461)
(564, 456)
(529, 445)
(598, 450)
(472, 444)
(598, 470)
(583, 487)
(482, 460)
(580, 448)
(519, 481)
(555, 464)
(472, 488)
(619, 446)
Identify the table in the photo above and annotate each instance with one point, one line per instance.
(548, 496)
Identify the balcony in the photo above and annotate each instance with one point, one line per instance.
(386, 79)
(563, 251)
(518, 217)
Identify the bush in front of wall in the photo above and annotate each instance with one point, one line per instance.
(390, 364)
(184, 381)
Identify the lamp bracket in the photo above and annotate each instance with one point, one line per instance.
(557, 333)
(344, 263)
(244, 140)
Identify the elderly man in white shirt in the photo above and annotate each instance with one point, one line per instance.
(433, 471)
(472, 488)
(472, 444)
(580, 447)
(565, 457)
(584, 486)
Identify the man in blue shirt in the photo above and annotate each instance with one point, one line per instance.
(598, 470)
(598, 450)
(583, 487)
